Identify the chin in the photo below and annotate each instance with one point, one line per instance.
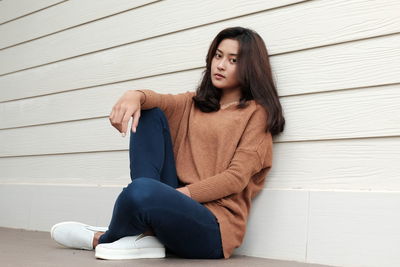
(217, 85)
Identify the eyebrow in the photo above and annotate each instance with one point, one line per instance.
(229, 54)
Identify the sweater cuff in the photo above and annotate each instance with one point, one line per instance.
(152, 99)
(198, 193)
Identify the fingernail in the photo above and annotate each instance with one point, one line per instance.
(134, 130)
(123, 134)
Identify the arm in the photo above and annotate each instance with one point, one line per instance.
(233, 180)
(171, 104)
(130, 104)
(253, 154)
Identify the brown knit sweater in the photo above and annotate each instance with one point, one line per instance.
(223, 157)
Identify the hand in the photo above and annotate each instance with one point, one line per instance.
(126, 107)
(184, 190)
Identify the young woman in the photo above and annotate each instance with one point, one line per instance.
(197, 160)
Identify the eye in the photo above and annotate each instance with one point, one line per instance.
(217, 55)
(233, 60)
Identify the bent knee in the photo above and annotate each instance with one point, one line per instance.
(153, 112)
(142, 190)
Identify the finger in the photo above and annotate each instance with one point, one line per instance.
(111, 116)
(125, 120)
(118, 119)
(135, 121)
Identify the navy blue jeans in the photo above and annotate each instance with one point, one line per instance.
(151, 202)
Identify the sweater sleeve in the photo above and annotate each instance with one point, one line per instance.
(253, 153)
(169, 103)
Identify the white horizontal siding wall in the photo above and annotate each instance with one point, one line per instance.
(333, 194)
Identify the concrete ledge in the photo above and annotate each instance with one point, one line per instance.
(309, 226)
(33, 248)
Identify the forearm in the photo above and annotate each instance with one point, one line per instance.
(168, 103)
(231, 181)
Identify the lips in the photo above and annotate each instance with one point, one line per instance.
(219, 75)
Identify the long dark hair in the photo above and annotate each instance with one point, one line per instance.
(254, 76)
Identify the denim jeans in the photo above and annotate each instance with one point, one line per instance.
(151, 202)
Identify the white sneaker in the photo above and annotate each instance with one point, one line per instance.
(75, 234)
(131, 247)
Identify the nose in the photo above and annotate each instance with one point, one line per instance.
(221, 65)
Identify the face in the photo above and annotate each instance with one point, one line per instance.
(224, 63)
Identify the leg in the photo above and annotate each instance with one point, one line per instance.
(151, 155)
(150, 149)
(152, 160)
(184, 226)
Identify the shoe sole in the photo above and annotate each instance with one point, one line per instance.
(126, 254)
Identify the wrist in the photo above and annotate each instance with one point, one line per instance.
(188, 191)
(142, 96)
(184, 190)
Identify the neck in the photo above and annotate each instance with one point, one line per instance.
(230, 96)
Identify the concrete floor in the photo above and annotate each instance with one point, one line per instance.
(32, 248)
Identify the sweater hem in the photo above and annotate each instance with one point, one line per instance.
(227, 245)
